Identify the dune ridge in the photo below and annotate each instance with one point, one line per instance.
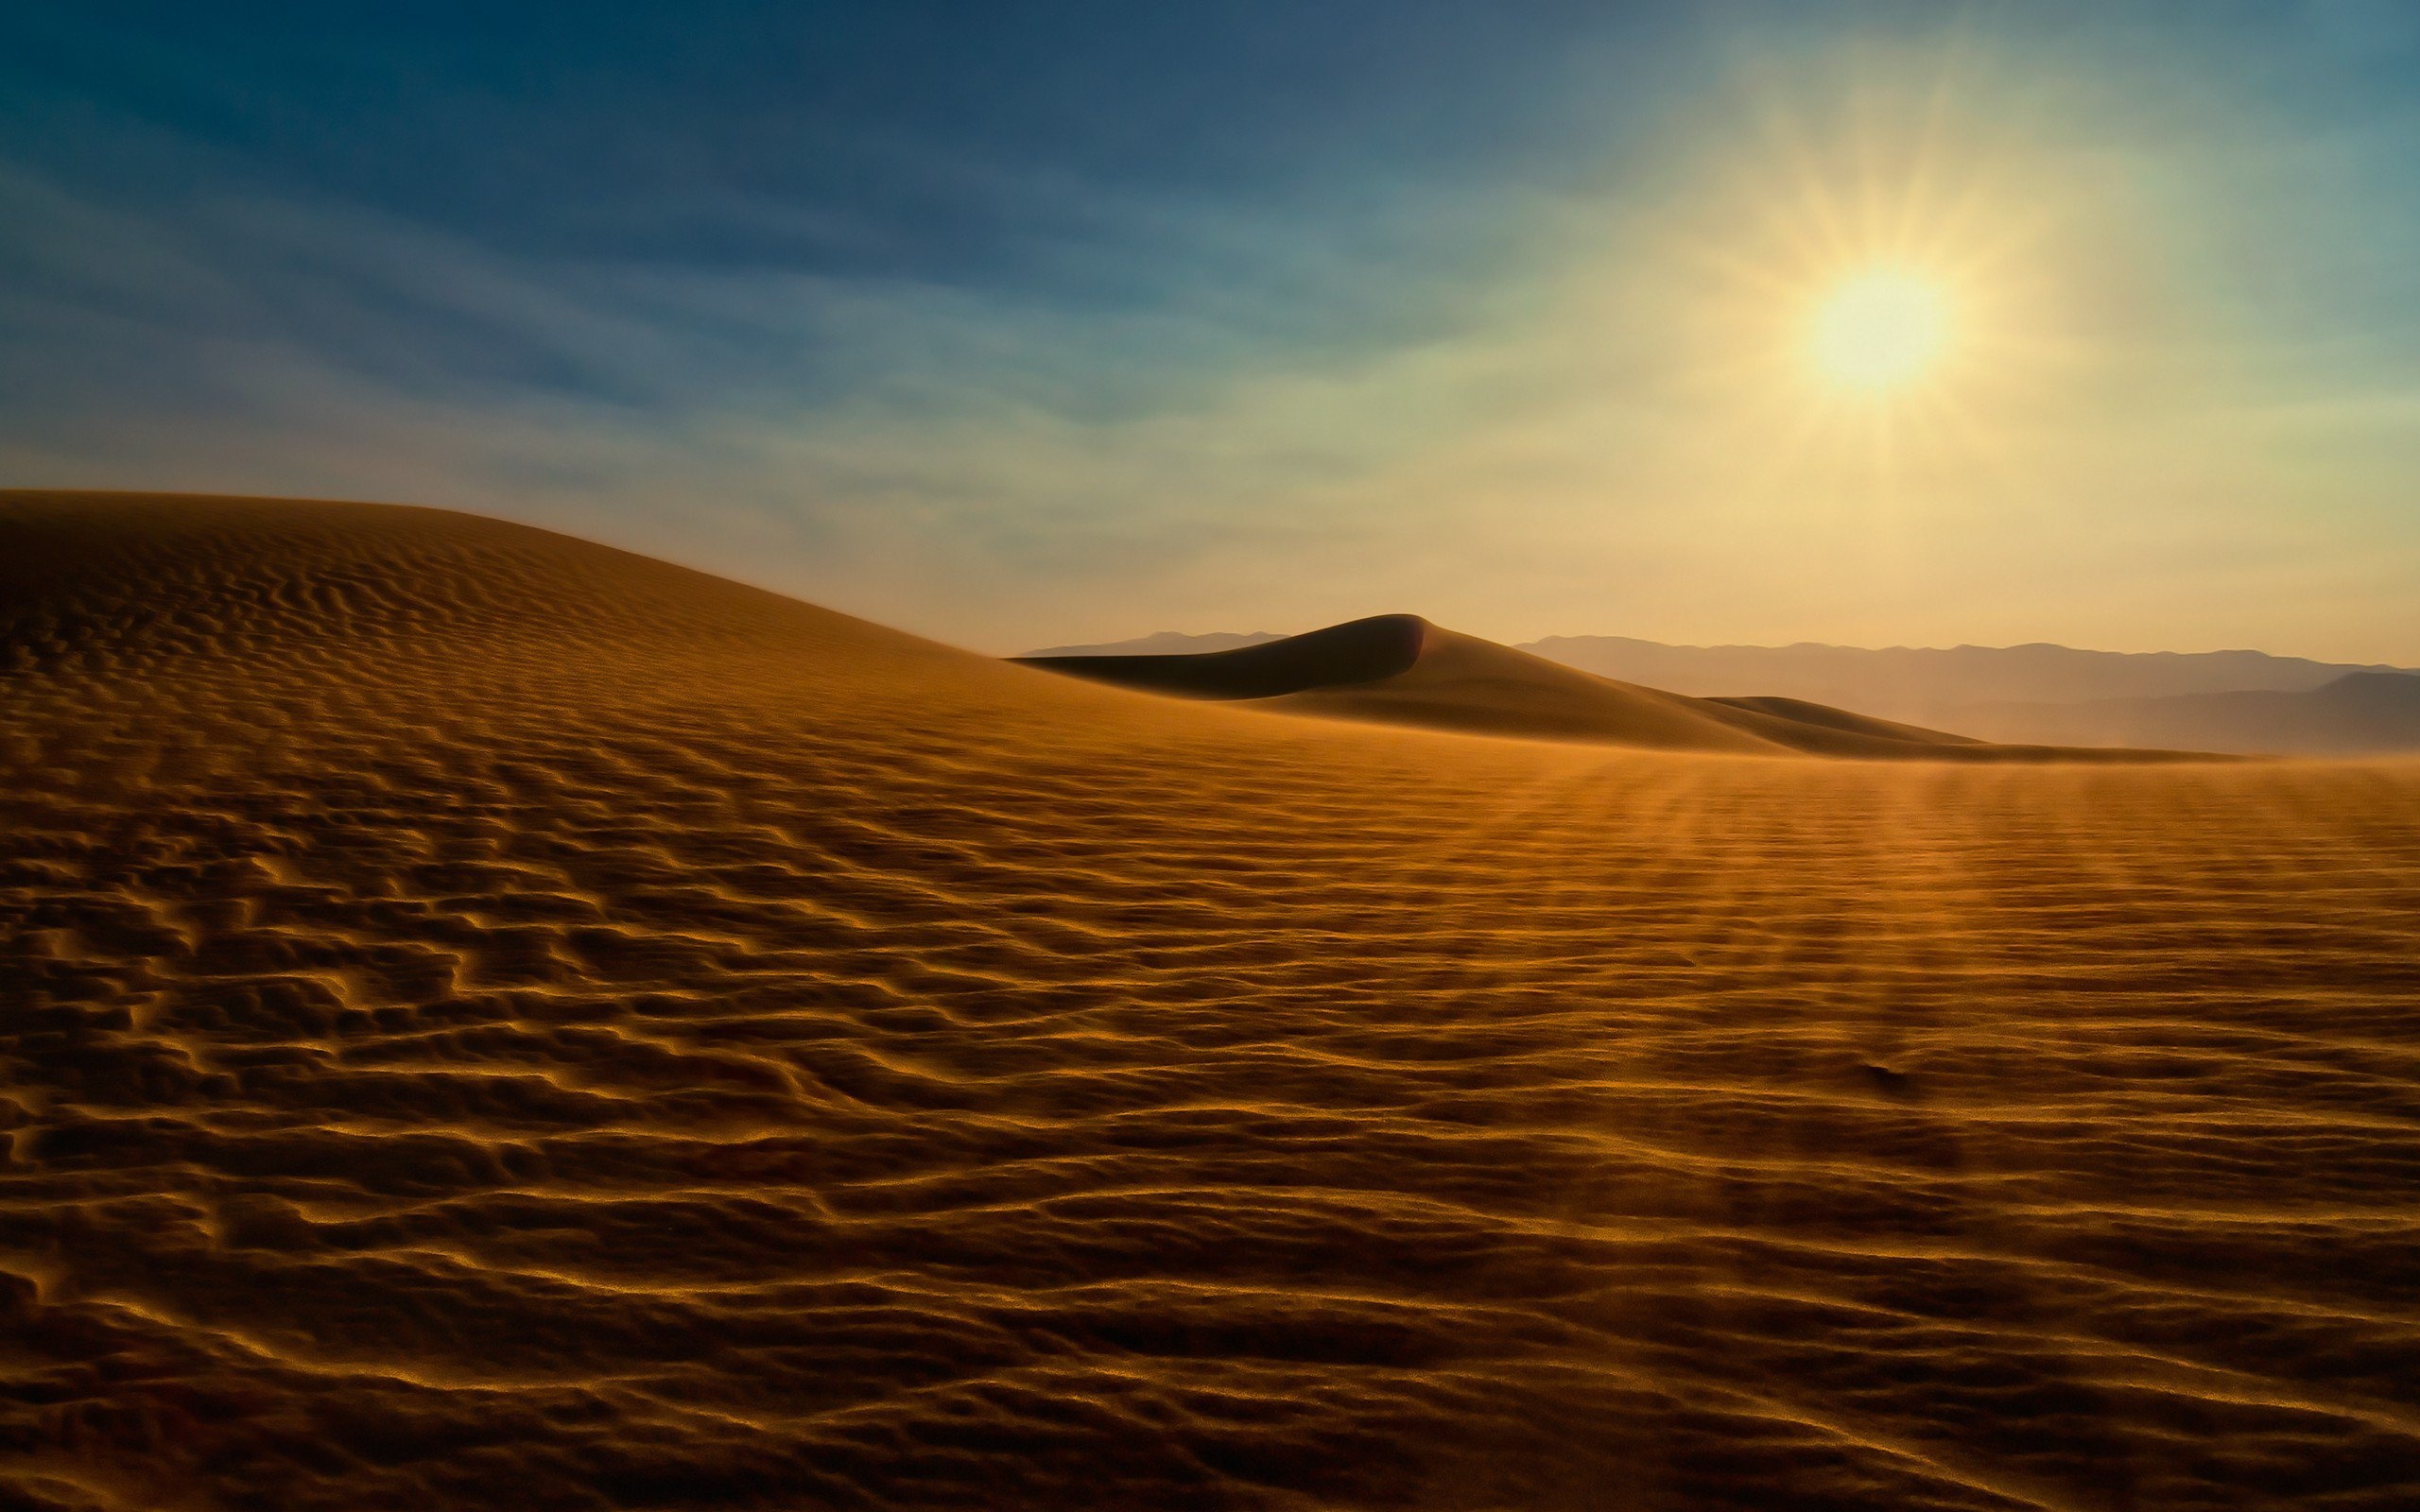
(1347, 655)
(1401, 669)
(1162, 642)
(498, 1023)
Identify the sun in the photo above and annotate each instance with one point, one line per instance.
(1878, 330)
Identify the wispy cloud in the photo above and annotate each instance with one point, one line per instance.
(1487, 401)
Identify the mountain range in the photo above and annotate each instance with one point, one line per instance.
(2236, 701)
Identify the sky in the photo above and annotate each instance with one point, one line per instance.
(1036, 323)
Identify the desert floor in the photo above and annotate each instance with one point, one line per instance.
(496, 1022)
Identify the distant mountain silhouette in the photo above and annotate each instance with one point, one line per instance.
(1165, 643)
(1907, 676)
(2017, 693)
(2358, 712)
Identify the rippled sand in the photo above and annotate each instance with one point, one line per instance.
(495, 1022)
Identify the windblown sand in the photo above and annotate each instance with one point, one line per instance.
(498, 1023)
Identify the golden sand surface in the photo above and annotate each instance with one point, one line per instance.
(496, 1022)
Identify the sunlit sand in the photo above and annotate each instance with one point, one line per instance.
(501, 1023)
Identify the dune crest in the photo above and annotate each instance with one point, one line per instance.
(1359, 651)
(1401, 669)
(494, 1022)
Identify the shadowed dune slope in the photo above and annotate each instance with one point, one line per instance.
(1799, 712)
(1460, 682)
(1400, 669)
(494, 1022)
(1369, 650)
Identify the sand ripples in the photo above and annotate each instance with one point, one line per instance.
(499, 1024)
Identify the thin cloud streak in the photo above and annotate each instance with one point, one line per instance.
(1492, 408)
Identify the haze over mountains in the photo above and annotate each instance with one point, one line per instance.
(2358, 712)
(2236, 701)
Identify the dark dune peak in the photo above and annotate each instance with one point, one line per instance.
(1365, 650)
(497, 1024)
(1459, 682)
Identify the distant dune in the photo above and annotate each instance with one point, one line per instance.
(496, 1022)
(2020, 694)
(1400, 669)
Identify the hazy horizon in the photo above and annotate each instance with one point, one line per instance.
(1746, 645)
(1069, 326)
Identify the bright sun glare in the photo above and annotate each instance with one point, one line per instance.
(1878, 330)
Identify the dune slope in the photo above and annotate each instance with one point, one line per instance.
(1400, 669)
(1369, 650)
(496, 1022)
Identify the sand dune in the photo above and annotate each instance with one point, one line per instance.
(1462, 682)
(498, 1023)
(1341, 656)
(2239, 703)
(1400, 669)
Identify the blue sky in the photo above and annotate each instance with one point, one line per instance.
(1027, 323)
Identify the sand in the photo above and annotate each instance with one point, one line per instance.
(495, 1022)
(1401, 669)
